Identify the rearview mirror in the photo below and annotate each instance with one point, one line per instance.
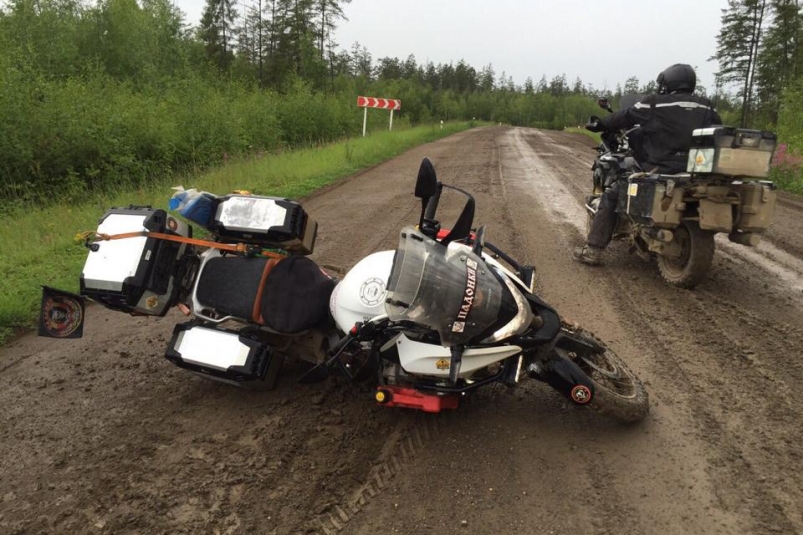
(427, 183)
(604, 104)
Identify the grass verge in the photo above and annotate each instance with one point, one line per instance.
(37, 246)
(593, 135)
(788, 179)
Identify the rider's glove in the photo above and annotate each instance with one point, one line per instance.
(594, 124)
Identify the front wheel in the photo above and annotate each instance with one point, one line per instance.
(617, 391)
(694, 254)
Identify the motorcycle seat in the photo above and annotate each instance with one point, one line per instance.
(288, 296)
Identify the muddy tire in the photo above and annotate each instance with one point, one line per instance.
(618, 392)
(694, 262)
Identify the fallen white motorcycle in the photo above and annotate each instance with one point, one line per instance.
(444, 314)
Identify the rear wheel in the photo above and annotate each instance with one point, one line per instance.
(690, 266)
(617, 391)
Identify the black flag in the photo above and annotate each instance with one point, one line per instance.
(62, 314)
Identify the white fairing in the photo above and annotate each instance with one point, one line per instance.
(360, 296)
(433, 360)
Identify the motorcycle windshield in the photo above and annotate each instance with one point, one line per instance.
(447, 289)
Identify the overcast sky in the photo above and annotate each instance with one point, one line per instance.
(602, 42)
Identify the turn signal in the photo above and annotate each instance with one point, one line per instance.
(382, 396)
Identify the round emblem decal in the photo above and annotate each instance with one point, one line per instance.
(62, 317)
(581, 394)
(372, 292)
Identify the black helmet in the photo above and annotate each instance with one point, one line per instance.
(678, 77)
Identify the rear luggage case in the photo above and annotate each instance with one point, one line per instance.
(266, 221)
(726, 150)
(140, 275)
(224, 355)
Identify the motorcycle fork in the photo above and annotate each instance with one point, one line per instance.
(554, 366)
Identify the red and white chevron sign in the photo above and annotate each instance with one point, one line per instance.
(382, 103)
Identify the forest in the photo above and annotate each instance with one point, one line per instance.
(125, 92)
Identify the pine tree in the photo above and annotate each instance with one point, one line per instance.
(631, 86)
(487, 77)
(328, 12)
(361, 61)
(778, 60)
(738, 46)
(578, 88)
(217, 27)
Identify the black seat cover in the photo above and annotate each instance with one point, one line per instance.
(229, 284)
(296, 296)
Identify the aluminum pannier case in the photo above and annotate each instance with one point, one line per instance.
(139, 275)
(266, 221)
(223, 354)
(757, 208)
(652, 200)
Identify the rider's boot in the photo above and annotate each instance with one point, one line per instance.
(588, 254)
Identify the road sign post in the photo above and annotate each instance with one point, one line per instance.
(391, 104)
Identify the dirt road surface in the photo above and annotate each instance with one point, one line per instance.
(102, 435)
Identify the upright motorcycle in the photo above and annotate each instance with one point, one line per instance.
(673, 218)
(443, 315)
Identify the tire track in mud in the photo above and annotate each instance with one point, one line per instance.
(555, 200)
(419, 432)
(711, 402)
(787, 268)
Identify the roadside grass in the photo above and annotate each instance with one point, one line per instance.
(790, 179)
(38, 247)
(575, 130)
(787, 169)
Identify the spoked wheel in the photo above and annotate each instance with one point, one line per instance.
(690, 266)
(618, 392)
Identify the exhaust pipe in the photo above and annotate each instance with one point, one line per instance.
(744, 238)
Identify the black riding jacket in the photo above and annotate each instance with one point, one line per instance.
(667, 122)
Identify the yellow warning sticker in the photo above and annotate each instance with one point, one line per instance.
(632, 190)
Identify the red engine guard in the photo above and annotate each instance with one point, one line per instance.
(397, 396)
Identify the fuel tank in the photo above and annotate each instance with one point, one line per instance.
(361, 294)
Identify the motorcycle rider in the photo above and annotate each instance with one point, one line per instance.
(666, 121)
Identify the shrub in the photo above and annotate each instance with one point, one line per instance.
(787, 169)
